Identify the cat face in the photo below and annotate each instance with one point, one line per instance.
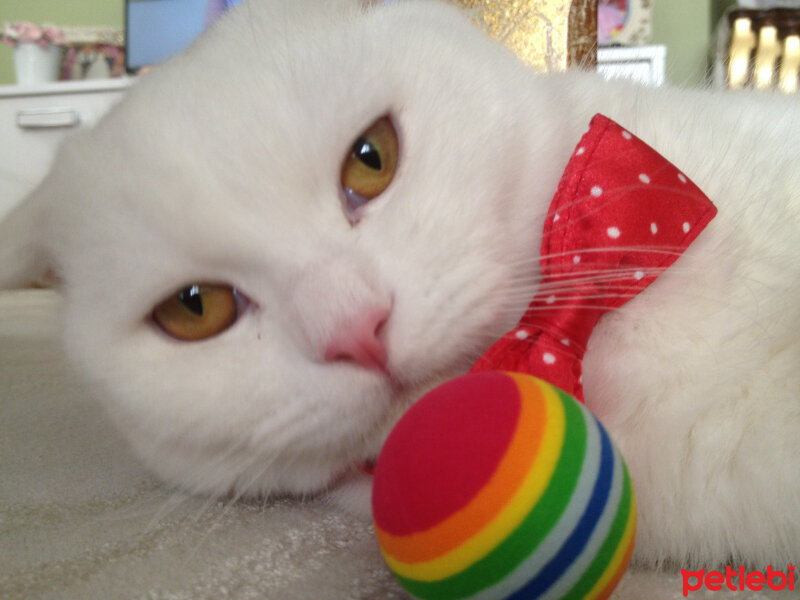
(220, 188)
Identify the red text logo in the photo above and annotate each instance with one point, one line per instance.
(738, 579)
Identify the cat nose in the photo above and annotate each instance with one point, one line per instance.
(358, 340)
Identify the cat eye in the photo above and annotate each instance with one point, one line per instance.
(369, 166)
(198, 312)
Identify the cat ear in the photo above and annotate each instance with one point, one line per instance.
(22, 256)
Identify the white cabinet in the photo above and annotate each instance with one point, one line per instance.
(35, 119)
(643, 64)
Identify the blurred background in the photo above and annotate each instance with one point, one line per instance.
(685, 27)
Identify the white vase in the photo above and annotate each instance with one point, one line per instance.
(35, 64)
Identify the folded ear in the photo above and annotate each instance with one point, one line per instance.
(22, 253)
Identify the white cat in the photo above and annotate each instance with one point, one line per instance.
(235, 167)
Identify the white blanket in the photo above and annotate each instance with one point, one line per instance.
(80, 519)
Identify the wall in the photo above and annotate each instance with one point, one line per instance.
(687, 27)
(58, 12)
(684, 26)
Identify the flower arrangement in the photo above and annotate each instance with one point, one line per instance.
(43, 35)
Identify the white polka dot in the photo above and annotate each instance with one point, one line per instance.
(522, 334)
(613, 232)
(682, 177)
(644, 178)
(549, 358)
(580, 379)
(576, 259)
(639, 275)
(565, 341)
(550, 299)
(686, 227)
(579, 151)
(626, 135)
(653, 228)
(596, 191)
(556, 218)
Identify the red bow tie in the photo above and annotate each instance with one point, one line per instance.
(621, 215)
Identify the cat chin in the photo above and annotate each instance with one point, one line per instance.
(209, 476)
(226, 469)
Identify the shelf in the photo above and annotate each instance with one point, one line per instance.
(66, 87)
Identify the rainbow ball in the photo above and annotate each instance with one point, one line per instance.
(499, 485)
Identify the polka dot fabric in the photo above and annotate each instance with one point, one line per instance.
(621, 215)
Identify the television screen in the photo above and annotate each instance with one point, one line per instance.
(157, 29)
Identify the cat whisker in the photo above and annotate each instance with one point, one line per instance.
(535, 259)
(666, 250)
(582, 306)
(621, 275)
(610, 281)
(238, 490)
(614, 195)
(174, 501)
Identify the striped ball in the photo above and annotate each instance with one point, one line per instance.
(499, 485)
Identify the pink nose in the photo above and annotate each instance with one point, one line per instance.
(357, 340)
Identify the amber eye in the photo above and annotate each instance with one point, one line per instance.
(370, 165)
(197, 312)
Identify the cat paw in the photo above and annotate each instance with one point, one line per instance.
(353, 494)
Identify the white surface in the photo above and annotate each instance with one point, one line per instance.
(769, 4)
(119, 84)
(79, 518)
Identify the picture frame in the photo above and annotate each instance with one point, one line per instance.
(93, 53)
